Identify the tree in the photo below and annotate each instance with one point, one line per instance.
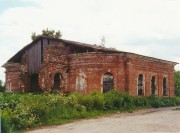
(177, 83)
(48, 33)
(2, 87)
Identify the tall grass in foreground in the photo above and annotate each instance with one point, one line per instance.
(22, 111)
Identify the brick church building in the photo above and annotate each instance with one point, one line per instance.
(57, 64)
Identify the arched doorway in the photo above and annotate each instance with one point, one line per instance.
(140, 85)
(108, 82)
(153, 85)
(164, 86)
(57, 79)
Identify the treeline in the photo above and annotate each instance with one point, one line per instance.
(177, 83)
(22, 111)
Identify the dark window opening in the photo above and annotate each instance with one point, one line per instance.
(164, 87)
(57, 79)
(108, 82)
(140, 85)
(153, 85)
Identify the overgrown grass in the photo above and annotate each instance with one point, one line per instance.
(22, 111)
(176, 109)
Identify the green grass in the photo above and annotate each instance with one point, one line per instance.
(24, 111)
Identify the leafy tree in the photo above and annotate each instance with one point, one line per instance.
(2, 87)
(177, 83)
(48, 33)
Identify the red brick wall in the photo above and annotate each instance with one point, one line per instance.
(150, 68)
(95, 65)
(125, 69)
(55, 61)
(86, 70)
(12, 82)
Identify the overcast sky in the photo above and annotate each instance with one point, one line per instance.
(147, 27)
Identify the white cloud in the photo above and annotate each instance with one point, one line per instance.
(122, 22)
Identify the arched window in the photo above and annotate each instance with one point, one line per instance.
(81, 83)
(164, 86)
(57, 78)
(140, 85)
(108, 82)
(153, 85)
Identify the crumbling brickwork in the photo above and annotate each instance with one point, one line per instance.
(13, 72)
(69, 66)
(149, 68)
(125, 70)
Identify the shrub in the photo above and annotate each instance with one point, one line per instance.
(23, 117)
(29, 110)
(128, 102)
(112, 100)
(141, 102)
(6, 123)
(168, 101)
(98, 100)
(176, 100)
(86, 101)
(2, 87)
(155, 101)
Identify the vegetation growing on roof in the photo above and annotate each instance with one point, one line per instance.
(48, 33)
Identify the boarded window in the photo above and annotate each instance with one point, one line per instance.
(140, 85)
(81, 83)
(108, 82)
(153, 85)
(164, 86)
(57, 78)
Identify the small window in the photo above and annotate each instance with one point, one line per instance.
(140, 85)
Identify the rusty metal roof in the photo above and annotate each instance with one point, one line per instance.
(79, 44)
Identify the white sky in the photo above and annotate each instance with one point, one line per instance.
(147, 27)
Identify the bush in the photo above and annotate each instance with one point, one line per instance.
(141, 102)
(113, 100)
(168, 101)
(21, 111)
(155, 101)
(24, 117)
(98, 100)
(86, 101)
(2, 87)
(6, 117)
(177, 82)
(128, 102)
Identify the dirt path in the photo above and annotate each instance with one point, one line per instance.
(142, 121)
